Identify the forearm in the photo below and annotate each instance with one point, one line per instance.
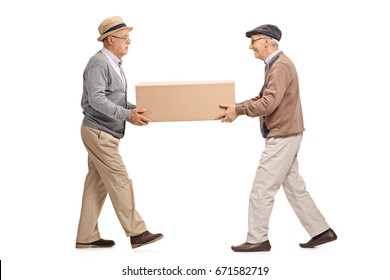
(271, 96)
(255, 107)
(99, 101)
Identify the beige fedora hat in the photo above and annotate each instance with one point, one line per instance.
(111, 25)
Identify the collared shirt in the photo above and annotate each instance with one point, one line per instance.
(115, 62)
(272, 55)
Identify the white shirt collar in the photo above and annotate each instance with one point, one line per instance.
(272, 55)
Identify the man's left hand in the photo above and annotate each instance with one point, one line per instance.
(137, 118)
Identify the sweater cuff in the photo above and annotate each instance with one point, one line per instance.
(127, 114)
(240, 109)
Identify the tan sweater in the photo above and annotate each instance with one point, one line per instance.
(278, 105)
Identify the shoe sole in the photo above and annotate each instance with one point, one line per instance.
(249, 251)
(151, 241)
(85, 246)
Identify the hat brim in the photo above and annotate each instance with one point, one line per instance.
(256, 32)
(105, 35)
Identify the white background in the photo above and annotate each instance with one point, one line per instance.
(192, 179)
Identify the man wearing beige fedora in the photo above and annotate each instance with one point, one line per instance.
(106, 111)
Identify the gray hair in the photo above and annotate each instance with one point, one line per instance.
(274, 42)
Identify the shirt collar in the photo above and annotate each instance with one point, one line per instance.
(111, 56)
(272, 55)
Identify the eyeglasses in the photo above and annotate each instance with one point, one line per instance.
(253, 41)
(125, 38)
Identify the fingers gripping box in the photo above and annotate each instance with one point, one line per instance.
(184, 101)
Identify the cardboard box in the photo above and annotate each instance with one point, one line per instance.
(184, 101)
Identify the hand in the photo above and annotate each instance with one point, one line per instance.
(230, 114)
(137, 118)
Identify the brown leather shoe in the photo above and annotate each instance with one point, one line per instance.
(144, 238)
(249, 247)
(101, 243)
(325, 237)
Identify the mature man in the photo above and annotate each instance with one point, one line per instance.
(278, 107)
(106, 111)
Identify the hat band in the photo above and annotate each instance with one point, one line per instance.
(115, 28)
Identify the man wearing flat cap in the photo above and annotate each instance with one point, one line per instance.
(278, 108)
(106, 111)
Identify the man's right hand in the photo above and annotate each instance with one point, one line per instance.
(230, 113)
(137, 118)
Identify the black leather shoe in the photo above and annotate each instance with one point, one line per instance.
(249, 247)
(144, 238)
(325, 237)
(101, 243)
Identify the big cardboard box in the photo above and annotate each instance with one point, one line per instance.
(184, 101)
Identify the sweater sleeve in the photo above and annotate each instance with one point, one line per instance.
(277, 84)
(96, 79)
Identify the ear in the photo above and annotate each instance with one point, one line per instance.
(267, 41)
(109, 40)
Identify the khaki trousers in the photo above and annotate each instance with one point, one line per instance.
(106, 174)
(279, 166)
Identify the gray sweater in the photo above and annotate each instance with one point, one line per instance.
(104, 99)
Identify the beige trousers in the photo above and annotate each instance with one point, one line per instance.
(279, 166)
(106, 174)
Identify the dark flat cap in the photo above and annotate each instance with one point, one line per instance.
(266, 29)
